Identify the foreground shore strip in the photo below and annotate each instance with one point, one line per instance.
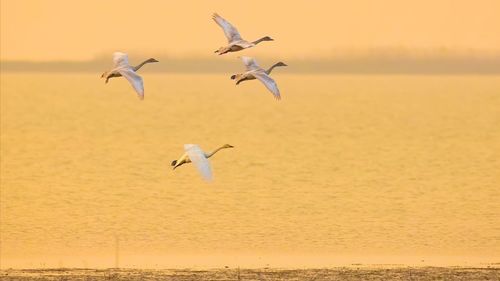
(341, 273)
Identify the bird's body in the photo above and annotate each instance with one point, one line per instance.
(241, 78)
(254, 71)
(114, 74)
(235, 42)
(234, 47)
(122, 68)
(184, 159)
(194, 154)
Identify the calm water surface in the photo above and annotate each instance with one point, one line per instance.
(343, 166)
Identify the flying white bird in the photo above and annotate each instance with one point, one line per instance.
(268, 72)
(136, 68)
(122, 68)
(235, 42)
(199, 158)
(254, 71)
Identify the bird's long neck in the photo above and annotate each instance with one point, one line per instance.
(259, 40)
(214, 151)
(268, 71)
(141, 64)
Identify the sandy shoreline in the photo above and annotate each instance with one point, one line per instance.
(340, 273)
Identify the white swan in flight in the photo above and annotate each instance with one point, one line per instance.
(268, 72)
(122, 68)
(199, 158)
(254, 71)
(235, 42)
(136, 68)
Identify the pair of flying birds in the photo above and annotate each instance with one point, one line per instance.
(193, 153)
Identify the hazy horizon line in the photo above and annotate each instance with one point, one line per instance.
(370, 61)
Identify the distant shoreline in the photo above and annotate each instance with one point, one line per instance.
(295, 266)
(431, 65)
(494, 265)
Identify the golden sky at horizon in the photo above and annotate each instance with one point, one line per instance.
(80, 30)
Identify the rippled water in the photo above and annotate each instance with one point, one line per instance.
(343, 166)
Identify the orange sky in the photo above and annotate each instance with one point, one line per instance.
(80, 30)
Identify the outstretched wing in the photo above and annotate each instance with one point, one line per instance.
(197, 156)
(230, 31)
(250, 63)
(120, 59)
(134, 79)
(269, 83)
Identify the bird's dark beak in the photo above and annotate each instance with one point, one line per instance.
(154, 60)
(231, 146)
(284, 64)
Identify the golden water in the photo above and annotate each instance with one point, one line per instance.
(344, 168)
